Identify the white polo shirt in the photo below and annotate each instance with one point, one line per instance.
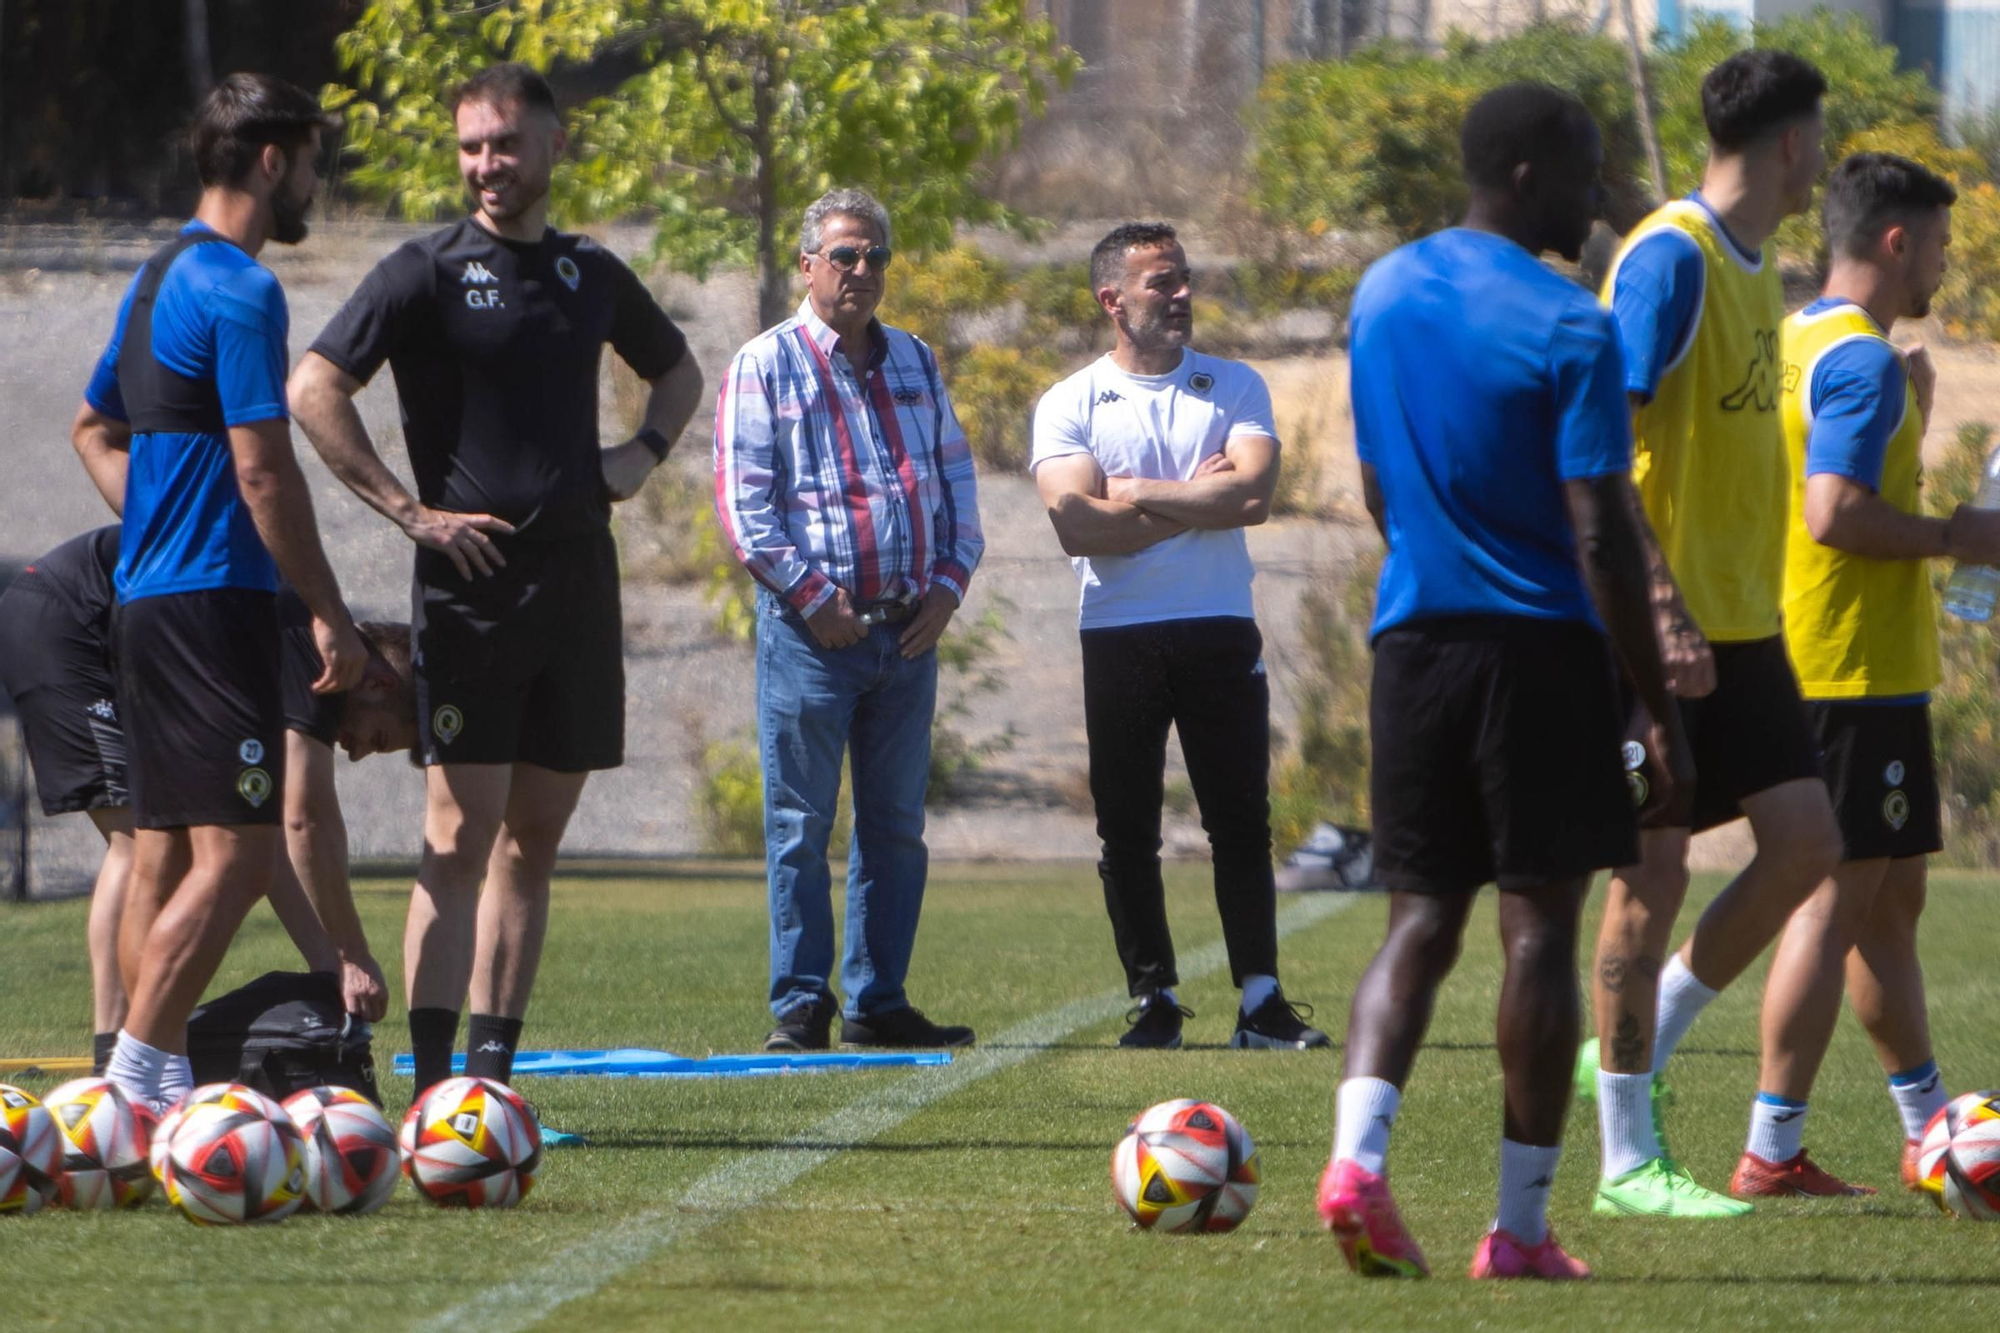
(1158, 427)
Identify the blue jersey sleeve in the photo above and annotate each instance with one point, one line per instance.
(1593, 421)
(102, 392)
(250, 324)
(1858, 399)
(1655, 301)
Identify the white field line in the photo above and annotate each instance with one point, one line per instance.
(749, 1180)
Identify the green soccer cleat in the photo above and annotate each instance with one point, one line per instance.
(1663, 1188)
(1586, 1071)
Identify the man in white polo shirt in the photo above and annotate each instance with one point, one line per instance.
(1151, 461)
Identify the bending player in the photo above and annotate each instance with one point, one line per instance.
(1698, 302)
(1514, 548)
(55, 662)
(494, 328)
(1861, 626)
(183, 431)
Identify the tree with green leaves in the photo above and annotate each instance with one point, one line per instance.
(720, 118)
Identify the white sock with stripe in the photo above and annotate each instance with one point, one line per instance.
(1777, 1128)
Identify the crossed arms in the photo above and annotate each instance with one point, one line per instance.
(1098, 515)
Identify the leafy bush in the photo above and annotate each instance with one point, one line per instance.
(1965, 711)
(1373, 140)
(1969, 301)
(1325, 774)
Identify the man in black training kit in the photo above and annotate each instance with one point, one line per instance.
(55, 662)
(494, 328)
(1496, 455)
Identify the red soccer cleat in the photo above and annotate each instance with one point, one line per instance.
(1913, 1169)
(1357, 1208)
(1800, 1177)
(1503, 1254)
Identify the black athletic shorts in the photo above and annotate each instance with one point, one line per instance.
(198, 685)
(1749, 734)
(58, 671)
(1880, 773)
(525, 665)
(1495, 755)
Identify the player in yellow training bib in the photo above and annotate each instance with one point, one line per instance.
(1861, 626)
(1698, 305)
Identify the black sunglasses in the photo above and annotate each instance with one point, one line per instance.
(845, 257)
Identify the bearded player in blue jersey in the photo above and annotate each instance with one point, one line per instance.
(185, 433)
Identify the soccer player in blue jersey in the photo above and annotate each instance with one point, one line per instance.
(184, 431)
(1515, 573)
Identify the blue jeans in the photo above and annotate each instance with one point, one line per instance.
(813, 704)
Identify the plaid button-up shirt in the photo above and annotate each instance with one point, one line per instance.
(827, 479)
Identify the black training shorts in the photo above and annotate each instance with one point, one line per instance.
(1495, 743)
(1748, 735)
(525, 665)
(58, 672)
(1880, 773)
(198, 686)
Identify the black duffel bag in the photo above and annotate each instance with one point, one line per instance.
(282, 1032)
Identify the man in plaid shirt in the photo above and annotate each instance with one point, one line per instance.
(846, 488)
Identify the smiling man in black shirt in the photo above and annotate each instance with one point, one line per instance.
(494, 328)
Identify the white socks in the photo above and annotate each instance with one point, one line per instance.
(1526, 1173)
(138, 1068)
(1682, 998)
(1257, 988)
(1919, 1094)
(178, 1081)
(1365, 1111)
(1625, 1121)
(147, 1072)
(1777, 1128)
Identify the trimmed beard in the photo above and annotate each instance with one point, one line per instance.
(288, 220)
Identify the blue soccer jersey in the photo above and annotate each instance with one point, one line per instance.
(219, 317)
(1482, 381)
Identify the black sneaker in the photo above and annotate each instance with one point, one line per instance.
(803, 1027)
(1155, 1024)
(901, 1027)
(1277, 1025)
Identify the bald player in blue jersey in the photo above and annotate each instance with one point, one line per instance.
(1515, 574)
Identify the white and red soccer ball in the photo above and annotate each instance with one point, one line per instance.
(30, 1153)
(1186, 1166)
(106, 1138)
(233, 1156)
(351, 1156)
(471, 1143)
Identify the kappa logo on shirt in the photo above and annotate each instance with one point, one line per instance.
(1759, 389)
(1108, 396)
(480, 297)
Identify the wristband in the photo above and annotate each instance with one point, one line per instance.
(655, 441)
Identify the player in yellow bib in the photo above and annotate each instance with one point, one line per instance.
(1698, 303)
(1861, 627)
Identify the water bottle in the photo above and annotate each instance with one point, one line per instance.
(1973, 589)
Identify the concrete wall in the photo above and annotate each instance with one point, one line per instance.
(1154, 123)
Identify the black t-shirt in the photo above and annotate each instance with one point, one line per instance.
(316, 715)
(80, 574)
(495, 347)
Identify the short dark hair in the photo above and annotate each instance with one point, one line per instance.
(1520, 122)
(1756, 93)
(1869, 193)
(510, 81)
(244, 113)
(1107, 257)
(390, 641)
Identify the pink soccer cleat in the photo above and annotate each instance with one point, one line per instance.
(1503, 1254)
(1356, 1206)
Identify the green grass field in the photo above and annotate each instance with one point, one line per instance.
(977, 1197)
